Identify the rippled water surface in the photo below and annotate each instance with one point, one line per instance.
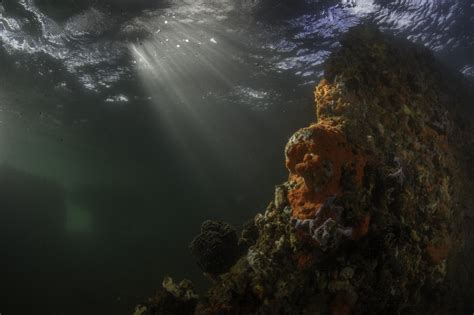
(121, 130)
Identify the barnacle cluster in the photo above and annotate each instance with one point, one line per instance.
(369, 220)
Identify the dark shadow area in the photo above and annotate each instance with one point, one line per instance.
(31, 231)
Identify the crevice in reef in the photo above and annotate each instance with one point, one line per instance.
(373, 216)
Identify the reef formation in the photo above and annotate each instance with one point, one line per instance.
(371, 217)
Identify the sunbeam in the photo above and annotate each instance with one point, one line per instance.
(183, 67)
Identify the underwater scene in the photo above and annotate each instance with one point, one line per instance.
(236, 157)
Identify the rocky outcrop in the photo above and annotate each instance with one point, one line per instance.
(173, 298)
(216, 248)
(370, 219)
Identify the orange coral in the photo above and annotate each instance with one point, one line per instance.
(316, 158)
(328, 100)
(323, 94)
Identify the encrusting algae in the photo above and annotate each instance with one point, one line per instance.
(369, 219)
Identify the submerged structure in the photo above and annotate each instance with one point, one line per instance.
(372, 217)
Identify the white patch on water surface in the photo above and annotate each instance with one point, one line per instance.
(282, 46)
(468, 71)
(79, 221)
(361, 7)
(217, 9)
(251, 93)
(117, 99)
(303, 61)
(255, 99)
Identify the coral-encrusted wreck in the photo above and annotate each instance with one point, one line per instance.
(370, 219)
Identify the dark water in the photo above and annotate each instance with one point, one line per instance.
(123, 126)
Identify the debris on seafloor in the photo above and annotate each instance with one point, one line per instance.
(370, 219)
